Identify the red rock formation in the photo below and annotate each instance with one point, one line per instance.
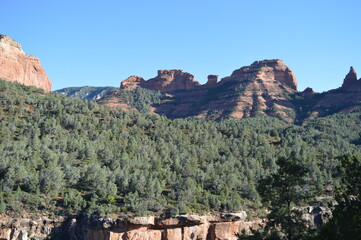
(131, 82)
(344, 99)
(186, 227)
(165, 81)
(350, 79)
(261, 88)
(16, 66)
(212, 80)
(266, 70)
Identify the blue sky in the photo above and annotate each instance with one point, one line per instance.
(102, 42)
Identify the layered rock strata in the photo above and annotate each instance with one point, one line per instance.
(17, 66)
(261, 88)
(165, 81)
(185, 227)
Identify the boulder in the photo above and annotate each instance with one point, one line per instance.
(142, 221)
(240, 216)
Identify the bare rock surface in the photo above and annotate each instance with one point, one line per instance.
(131, 82)
(171, 80)
(17, 66)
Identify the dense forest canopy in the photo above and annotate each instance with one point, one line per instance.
(65, 155)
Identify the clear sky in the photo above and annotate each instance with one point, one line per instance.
(102, 42)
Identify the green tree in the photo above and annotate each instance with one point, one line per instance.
(74, 200)
(282, 193)
(346, 221)
(2, 205)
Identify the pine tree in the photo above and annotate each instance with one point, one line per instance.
(282, 193)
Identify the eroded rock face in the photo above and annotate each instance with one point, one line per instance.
(185, 227)
(171, 80)
(261, 88)
(266, 70)
(131, 82)
(165, 81)
(16, 66)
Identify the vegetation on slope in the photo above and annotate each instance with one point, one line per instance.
(65, 155)
(86, 92)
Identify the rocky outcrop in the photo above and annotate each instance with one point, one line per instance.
(131, 82)
(185, 227)
(266, 70)
(317, 216)
(171, 80)
(350, 79)
(16, 66)
(347, 98)
(26, 228)
(261, 88)
(212, 80)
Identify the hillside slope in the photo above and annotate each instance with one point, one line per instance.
(66, 156)
(86, 92)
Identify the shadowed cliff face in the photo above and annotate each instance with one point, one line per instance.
(16, 66)
(344, 99)
(261, 88)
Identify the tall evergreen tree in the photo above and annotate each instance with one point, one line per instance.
(282, 193)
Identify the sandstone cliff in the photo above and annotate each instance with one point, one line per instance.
(16, 66)
(184, 227)
(165, 81)
(261, 88)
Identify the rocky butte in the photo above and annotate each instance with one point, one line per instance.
(261, 88)
(17, 66)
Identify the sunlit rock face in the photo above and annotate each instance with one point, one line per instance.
(17, 66)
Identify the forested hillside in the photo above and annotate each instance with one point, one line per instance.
(65, 155)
